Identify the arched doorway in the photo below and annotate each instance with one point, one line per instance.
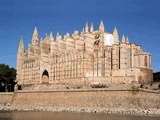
(45, 77)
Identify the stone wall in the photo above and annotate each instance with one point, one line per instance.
(88, 99)
(6, 98)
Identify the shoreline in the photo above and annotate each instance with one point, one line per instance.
(120, 111)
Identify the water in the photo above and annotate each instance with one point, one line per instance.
(69, 116)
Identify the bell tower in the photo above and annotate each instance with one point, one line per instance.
(20, 57)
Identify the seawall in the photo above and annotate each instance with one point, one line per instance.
(83, 100)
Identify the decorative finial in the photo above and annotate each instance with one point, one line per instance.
(91, 27)
(82, 32)
(67, 35)
(51, 36)
(127, 40)
(21, 45)
(101, 27)
(35, 37)
(116, 37)
(35, 33)
(86, 27)
(75, 32)
(123, 39)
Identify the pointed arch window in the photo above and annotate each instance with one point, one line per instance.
(128, 58)
(145, 61)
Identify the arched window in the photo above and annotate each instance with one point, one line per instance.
(128, 58)
(145, 61)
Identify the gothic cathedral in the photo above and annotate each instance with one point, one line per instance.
(91, 56)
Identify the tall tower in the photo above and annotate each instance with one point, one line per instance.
(20, 57)
(35, 38)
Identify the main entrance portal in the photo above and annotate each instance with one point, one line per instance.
(45, 77)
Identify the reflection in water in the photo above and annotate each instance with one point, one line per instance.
(69, 116)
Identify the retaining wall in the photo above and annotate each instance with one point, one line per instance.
(88, 99)
(6, 98)
(94, 99)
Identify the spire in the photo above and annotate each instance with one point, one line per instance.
(123, 39)
(127, 40)
(91, 27)
(21, 45)
(58, 36)
(35, 33)
(101, 27)
(86, 27)
(116, 37)
(75, 32)
(35, 37)
(82, 32)
(67, 35)
(51, 36)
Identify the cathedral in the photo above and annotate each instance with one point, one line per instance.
(86, 57)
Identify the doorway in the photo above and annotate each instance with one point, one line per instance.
(45, 77)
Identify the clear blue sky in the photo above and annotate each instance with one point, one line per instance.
(137, 19)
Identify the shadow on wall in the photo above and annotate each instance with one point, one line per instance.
(156, 77)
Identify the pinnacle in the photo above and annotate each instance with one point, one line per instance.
(51, 36)
(115, 29)
(21, 44)
(35, 37)
(35, 33)
(91, 27)
(127, 40)
(115, 32)
(86, 27)
(123, 39)
(101, 26)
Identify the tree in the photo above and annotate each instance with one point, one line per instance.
(7, 78)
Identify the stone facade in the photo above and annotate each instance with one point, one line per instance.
(92, 56)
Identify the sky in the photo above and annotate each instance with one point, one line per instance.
(137, 19)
